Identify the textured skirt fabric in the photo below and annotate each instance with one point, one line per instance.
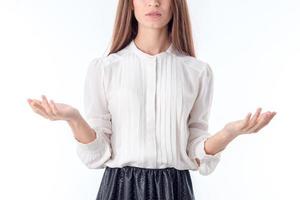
(135, 183)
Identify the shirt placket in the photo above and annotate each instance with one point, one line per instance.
(151, 105)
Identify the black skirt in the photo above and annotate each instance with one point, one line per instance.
(135, 183)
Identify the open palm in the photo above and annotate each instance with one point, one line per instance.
(52, 110)
(247, 125)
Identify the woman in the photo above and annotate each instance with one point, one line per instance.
(147, 106)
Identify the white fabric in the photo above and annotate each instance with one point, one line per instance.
(148, 111)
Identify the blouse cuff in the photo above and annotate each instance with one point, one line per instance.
(94, 145)
(208, 162)
(201, 154)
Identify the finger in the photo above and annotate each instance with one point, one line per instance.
(36, 107)
(273, 114)
(270, 117)
(36, 104)
(30, 101)
(264, 119)
(246, 120)
(47, 106)
(253, 121)
(53, 106)
(39, 109)
(264, 122)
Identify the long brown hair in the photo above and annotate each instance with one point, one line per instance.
(179, 27)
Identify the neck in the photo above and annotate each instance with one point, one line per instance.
(152, 41)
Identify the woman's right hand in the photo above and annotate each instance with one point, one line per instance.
(53, 111)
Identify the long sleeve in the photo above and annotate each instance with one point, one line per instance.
(97, 115)
(198, 124)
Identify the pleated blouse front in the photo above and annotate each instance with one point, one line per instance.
(148, 111)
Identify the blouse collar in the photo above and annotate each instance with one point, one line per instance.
(132, 46)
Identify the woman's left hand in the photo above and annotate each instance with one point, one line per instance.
(247, 125)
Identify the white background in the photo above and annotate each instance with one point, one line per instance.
(252, 46)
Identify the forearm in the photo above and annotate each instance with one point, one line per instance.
(218, 141)
(81, 130)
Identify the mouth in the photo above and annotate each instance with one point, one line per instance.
(154, 14)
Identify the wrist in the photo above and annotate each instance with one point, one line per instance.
(75, 119)
(229, 133)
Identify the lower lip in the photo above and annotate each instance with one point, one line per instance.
(154, 16)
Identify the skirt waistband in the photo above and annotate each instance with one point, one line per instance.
(136, 183)
(147, 169)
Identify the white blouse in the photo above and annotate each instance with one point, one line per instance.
(148, 111)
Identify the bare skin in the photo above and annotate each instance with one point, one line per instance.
(152, 38)
(59, 111)
(249, 125)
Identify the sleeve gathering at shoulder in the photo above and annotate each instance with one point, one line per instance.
(97, 115)
(198, 124)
